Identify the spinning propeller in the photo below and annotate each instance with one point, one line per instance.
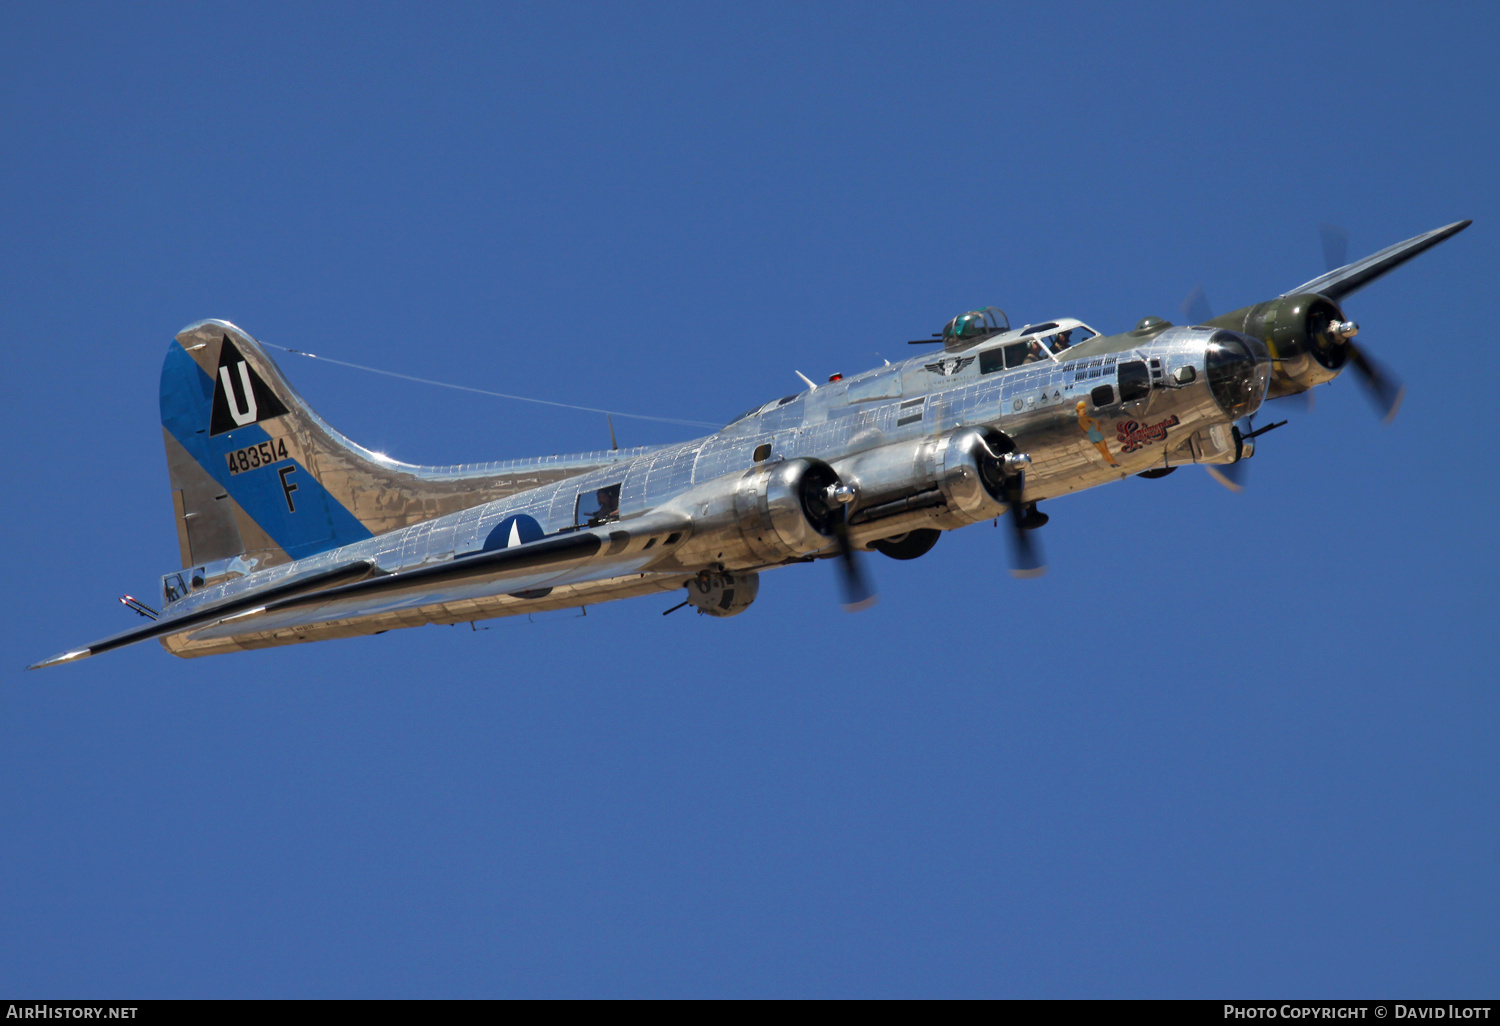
(1004, 477)
(858, 593)
(1026, 558)
(1382, 388)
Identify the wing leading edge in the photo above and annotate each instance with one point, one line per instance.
(1349, 279)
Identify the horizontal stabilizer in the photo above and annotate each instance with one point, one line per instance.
(1350, 278)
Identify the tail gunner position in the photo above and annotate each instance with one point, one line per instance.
(290, 532)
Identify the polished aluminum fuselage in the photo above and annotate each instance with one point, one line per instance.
(684, 508)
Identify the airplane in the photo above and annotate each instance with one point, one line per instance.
(289, 532)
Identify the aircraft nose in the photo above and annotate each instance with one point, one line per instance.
(1238, 368)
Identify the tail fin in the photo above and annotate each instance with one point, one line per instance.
(256, 473)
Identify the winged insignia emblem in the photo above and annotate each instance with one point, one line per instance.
(950, 365)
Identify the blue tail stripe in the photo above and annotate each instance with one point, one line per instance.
(293, 508)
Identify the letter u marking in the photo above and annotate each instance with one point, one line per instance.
(248, 416)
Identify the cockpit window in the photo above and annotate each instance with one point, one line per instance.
(1019, 353)
(1067, 338)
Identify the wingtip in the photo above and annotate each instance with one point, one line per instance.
(66, 657)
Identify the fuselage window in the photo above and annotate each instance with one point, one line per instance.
(991, 360)
(597, 507)
(1135, 381)
(1102, 395)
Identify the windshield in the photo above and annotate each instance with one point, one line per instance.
(1065, 339)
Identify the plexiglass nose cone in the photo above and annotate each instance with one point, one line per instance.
(1236, 370)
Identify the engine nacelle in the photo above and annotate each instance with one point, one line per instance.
(947, 482)
(1298, 330)
(969, 467)
(783, 511)
(722, 594)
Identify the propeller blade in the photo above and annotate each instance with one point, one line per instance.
(1383, 389)
(1305, 399)
(1335, 246)
(1234, 476)
(1230, 475)
(858, 594)
(1195, 308)
(1026, 560)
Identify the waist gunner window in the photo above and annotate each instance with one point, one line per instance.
(597, 507)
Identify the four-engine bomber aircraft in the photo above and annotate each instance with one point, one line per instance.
(290, 532)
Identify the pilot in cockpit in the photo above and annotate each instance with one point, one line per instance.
(1062, 340)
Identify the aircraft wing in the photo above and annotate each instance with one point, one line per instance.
(356, 588)
(513, 569)
(1350, 278)
(297, 584)
(572, 558)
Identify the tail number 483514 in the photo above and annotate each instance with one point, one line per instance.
(253, 456)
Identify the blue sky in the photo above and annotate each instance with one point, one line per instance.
(1231, 745)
